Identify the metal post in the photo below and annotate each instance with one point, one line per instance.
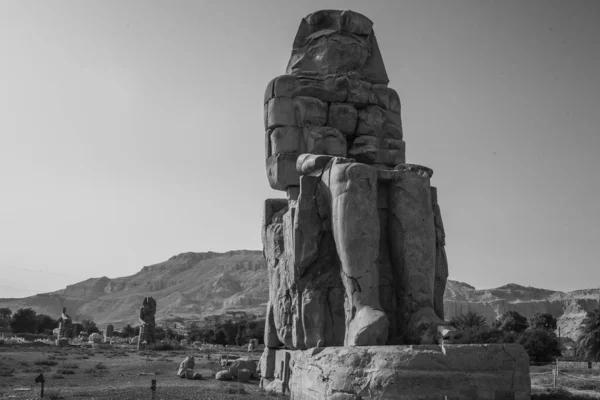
(42, 392)
(556, 374)
(153, 389)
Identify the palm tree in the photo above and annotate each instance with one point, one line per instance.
(470, 320)
(588, 344)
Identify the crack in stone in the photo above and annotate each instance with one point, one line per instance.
(512, 383)
(355, 280)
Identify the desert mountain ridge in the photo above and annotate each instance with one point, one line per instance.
(194, 286)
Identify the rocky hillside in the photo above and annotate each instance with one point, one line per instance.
(569, 308)
(189, 285)
(195, 285)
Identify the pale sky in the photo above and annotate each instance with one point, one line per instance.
(131, 131)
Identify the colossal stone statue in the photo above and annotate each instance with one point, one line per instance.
(147, 327)
(65, 326)
(356, 250)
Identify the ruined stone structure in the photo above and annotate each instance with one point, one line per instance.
(65, 326)
(148, 323)
(352, 250)
(355, 252)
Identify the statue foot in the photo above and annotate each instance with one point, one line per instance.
(368, 328)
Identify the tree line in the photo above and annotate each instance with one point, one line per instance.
(537, 335)
(26, 320)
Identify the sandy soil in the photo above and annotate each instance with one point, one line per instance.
(118, 373)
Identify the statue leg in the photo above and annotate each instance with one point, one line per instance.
(355, 225)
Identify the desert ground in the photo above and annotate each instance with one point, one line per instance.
(115, 373)
(77, 372)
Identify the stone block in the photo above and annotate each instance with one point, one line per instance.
(243, 364)
(359, 91)
(269, 91)
(482, 372)
(280, 112)
(285, 139)
(324, 140)
(393, 144)
(343, 116)
(385, 97)
(371, 121)
(392, 131)
(285, 86)
(393, 118)
(364, 149)
(329, 89)
(310, 111)
(224, 375)
(390, 157)
(243, 375)
(281, 171)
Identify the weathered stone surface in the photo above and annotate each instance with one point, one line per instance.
(326, 88)
(393, 118)
(359, 91)
(95, 338)
(224, 375)
(243, 364)
(323, 46)
(412, 238)
(281, 171)
(477, 372)
(284, 86)
(385, 97)
(392, 131)
(343, 116)
(310, 111)
(324, 140)
(355, 226)
(441, 262)
(371, 121)
(186, 369)
(285, 139)
(364, 149)
(390, 157)
(243, 375)
(281, 111)
(267, 363)
(147, 320)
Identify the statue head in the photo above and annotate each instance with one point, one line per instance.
(332, 42)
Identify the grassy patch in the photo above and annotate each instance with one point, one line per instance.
(46, 362)
(100, 366)
(65, 371)
(57, 376)
(70, 366)
(53, 395)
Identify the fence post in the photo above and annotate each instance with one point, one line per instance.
(556, 374)
(153, 389)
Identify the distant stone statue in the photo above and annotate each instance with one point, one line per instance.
(110, 331)
(148, 324)
(65, 326)
(353, 250)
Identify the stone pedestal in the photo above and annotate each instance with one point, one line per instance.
(478, 372)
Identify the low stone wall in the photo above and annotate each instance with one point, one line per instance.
(578, 364)
(478, 372)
